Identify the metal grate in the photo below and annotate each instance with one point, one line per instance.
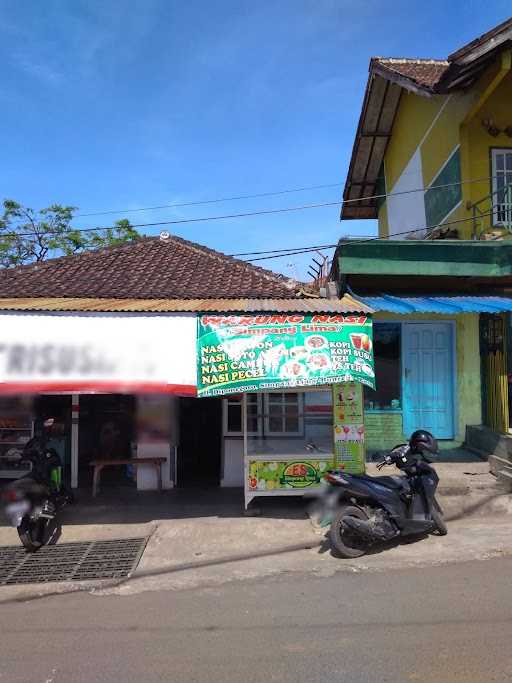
(71, 561)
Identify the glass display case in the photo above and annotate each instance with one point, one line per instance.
(16, 428)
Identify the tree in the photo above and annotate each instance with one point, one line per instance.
(27, 236)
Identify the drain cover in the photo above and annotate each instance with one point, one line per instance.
(71, 561)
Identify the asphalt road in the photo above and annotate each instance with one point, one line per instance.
(446, 623)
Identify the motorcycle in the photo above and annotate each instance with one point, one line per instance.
(33, 501)
(363, 510)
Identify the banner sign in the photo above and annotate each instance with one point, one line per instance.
(281, 475)
(97, 352)
(264, 352)
(349, 428)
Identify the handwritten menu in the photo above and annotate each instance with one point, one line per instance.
(383, 430)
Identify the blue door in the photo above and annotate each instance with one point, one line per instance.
(428, 378)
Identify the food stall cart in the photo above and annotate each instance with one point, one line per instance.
(308, 372)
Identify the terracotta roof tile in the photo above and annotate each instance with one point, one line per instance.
(146, 269)
(424, 72)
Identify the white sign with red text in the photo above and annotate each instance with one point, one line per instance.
(98, 352)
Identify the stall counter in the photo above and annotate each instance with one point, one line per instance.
(284, 474)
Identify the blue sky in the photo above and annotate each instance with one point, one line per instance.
(118, 104)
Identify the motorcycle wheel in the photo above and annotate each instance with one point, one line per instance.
(344, 543)
(32, 533)
(437, 517)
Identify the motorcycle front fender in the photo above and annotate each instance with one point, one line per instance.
(16, 511)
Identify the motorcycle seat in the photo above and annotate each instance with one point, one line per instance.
(398, 483)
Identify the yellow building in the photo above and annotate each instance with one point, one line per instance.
(432, 160)
(443, 127)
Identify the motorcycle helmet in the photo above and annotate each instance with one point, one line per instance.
(421, 440)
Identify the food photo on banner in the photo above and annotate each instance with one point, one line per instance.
(265, 352)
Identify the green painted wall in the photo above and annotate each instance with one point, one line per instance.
(440, 257)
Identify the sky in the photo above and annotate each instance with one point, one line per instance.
(122, 104)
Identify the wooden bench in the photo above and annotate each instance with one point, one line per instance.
(99, 465)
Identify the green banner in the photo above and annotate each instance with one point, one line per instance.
(264, 352)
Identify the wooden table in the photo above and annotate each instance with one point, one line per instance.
(99, 465)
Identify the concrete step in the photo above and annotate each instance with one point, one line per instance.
(496, 464)
(486, 442)
(505, 476)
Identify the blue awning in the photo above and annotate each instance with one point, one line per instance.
(450, 305)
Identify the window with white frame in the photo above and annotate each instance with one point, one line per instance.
(279, 414)
(284, 414)
(502, 185)
(233, 415)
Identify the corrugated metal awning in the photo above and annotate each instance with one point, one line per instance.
(438, 304)
(347, 304)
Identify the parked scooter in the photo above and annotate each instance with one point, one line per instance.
(33, 501)
(364, 510)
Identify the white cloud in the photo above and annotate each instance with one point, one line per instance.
(38, 69)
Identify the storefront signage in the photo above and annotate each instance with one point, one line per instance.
(82, 352)
(348, 427)
(264, 352)
(285, 475)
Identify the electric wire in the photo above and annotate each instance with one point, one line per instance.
(209, 201)
(307, 250)
(249, 213)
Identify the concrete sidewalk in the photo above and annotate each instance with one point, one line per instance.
(201, 537)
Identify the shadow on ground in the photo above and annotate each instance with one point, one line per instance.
(377, 549)
(126, 505)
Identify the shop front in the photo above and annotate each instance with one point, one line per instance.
(428, 376)
(111, 381)
(109, 340)
(291, 392)
(440, 333)
(418, 382)
(264, 402)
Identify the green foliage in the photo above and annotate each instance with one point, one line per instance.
(27, 236)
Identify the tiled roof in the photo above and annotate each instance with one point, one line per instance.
(149, 268)
(424, 72)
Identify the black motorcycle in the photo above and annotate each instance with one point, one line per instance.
(364, 510)
(33, 501)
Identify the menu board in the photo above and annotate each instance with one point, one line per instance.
(268, 351)
(383, 430)
(348, 425)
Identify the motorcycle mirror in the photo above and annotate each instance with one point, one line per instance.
(49, 422)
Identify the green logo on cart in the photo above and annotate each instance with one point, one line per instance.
(300, 475)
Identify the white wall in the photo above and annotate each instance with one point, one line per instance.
(106, 352)
(233, 463)
(407, 211)
(157, 433)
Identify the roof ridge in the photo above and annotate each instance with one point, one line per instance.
(412, 60)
